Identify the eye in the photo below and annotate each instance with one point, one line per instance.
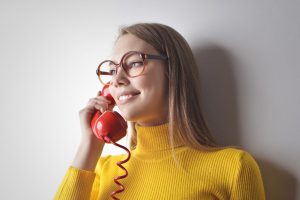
(136, 64)
(112, 71)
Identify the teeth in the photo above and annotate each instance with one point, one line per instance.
(123, 97)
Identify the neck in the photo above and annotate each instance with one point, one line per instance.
(152, 123)
(152, 139)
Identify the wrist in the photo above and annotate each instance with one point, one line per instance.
(88, 154)
(91, 144)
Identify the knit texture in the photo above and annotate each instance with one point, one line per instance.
(153, 174)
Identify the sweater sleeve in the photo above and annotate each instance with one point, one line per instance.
(77, 184)
(81, 184)
(247, 184)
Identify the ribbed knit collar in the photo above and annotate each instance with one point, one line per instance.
(154, 140)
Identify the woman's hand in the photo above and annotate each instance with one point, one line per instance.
(90, 147)
(86, 114)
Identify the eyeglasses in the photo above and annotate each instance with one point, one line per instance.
(132, 62)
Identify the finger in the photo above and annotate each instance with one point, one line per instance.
(98, 107)
(99, 102)
(98, 99)
(103, 98)
(104, 105)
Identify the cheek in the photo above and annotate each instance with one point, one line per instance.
(153, 89)
(154, 78)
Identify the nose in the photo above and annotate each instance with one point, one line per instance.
(120, 78)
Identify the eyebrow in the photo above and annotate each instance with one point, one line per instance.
(138, 50)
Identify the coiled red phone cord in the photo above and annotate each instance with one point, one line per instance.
(122, 187)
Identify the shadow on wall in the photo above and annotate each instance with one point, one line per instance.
(279, 183)
(218, 89)
(218, 93)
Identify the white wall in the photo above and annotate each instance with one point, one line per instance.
(249, 56)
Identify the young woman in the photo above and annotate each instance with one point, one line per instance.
(173, 154)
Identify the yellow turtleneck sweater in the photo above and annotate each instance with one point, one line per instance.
(153, 174)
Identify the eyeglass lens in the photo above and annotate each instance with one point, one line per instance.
(133, 65)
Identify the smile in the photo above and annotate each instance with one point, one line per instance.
(127, 98)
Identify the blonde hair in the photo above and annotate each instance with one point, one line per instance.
(186, 121)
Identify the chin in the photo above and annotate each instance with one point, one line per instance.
(129, 116)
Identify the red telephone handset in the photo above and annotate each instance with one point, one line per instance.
(110, 127)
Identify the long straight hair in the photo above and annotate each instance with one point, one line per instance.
(186, 120)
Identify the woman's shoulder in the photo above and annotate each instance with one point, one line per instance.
(241, 159)
(222, 164)
(235, 153)
(232, 157)
(238, 155)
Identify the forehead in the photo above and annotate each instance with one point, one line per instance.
(129, 42)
